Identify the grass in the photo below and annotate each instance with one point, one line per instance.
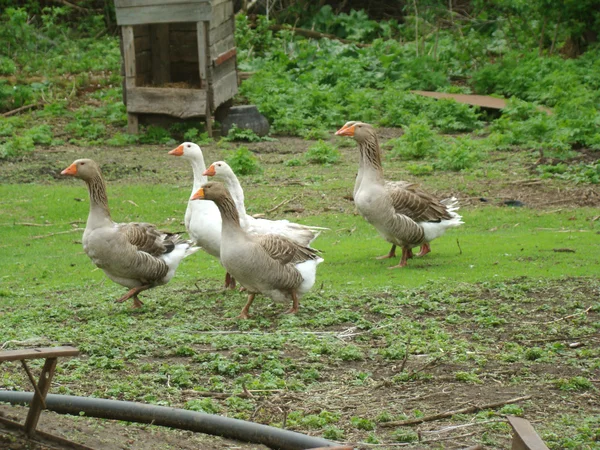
(485, 305)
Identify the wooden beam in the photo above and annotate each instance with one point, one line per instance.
(35, 408)
(225, 56)
(209, 81)
(130, 74)
(182, 103)
(524, 436)
(37, 353)
(189, 12)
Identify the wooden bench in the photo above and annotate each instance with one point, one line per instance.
(41, 388)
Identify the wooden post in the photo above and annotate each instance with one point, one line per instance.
(130, 73)
(39, 396)
(204, 60)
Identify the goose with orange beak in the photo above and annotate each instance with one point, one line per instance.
(403, 214)
(202, 219)
(135, 255)
(267, 264)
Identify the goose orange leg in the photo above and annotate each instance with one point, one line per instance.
(295, 304)
(425, 248)
(406, 254)
(133, 293)
(229, 281)
(391, 254)
(245, 314)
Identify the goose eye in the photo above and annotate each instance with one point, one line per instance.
(82, 164)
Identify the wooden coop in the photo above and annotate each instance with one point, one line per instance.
(179, 57)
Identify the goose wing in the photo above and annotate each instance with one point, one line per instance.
(413, 202)
(285, 250)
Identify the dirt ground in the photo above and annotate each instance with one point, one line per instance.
(146, 167)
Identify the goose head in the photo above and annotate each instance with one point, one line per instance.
(188, 150)
(213, 190)
(220, 170)
(360, 131)
(85, 169)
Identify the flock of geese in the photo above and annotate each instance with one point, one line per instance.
(269, 257)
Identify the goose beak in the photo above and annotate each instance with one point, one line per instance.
(71, 170)
(177, 151)
(199, 195)
(210, 172)
(346, 130)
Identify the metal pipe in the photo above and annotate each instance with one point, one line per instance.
(242, 430)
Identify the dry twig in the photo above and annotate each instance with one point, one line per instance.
(58, 232)
(279, 205)
(444, 415)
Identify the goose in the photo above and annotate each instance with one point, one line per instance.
(135, 255)
(269, 264)
(202, 219)
(403, 214)
(301, 234)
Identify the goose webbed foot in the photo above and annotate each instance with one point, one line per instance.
(133, 293)
(425, 248)
(406, 254)
(391, 254)
(295, 304)
(245, 313)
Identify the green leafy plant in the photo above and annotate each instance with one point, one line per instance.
(322, 153)
(243, 162)
(419, 141)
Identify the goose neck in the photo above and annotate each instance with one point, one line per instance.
(99, 211)
(198, 168)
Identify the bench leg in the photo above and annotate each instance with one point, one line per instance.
(36, 403)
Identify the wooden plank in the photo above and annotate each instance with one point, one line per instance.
(161, 63)
(223, 31)
(191, 12)
(209, 81)
(142, 43)
(224, 69)
(185, 53)
(130, 74)
(137, 3)
(202, 49)
(222, 46)
(182, 103)
(524, 436)
(180, 37)
(36, 353)
(141, 30)
(483, 101)
(225, 56)
(225, 88)
(221, 12)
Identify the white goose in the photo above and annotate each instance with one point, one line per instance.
(134, 255)
(403, 214)
(302, 234)
(269, 264)
(202, 219)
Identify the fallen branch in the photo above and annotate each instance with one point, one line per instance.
(569, 316)
(449, 438)
(42, 236)
(285, 202)
(444, 415)
(464, 425)
(311, 34)
(21, 109)
(29, 224)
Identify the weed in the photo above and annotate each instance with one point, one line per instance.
(418, 141)
(243, 162)
(322, 153)
(362, 424)
(574, 384)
